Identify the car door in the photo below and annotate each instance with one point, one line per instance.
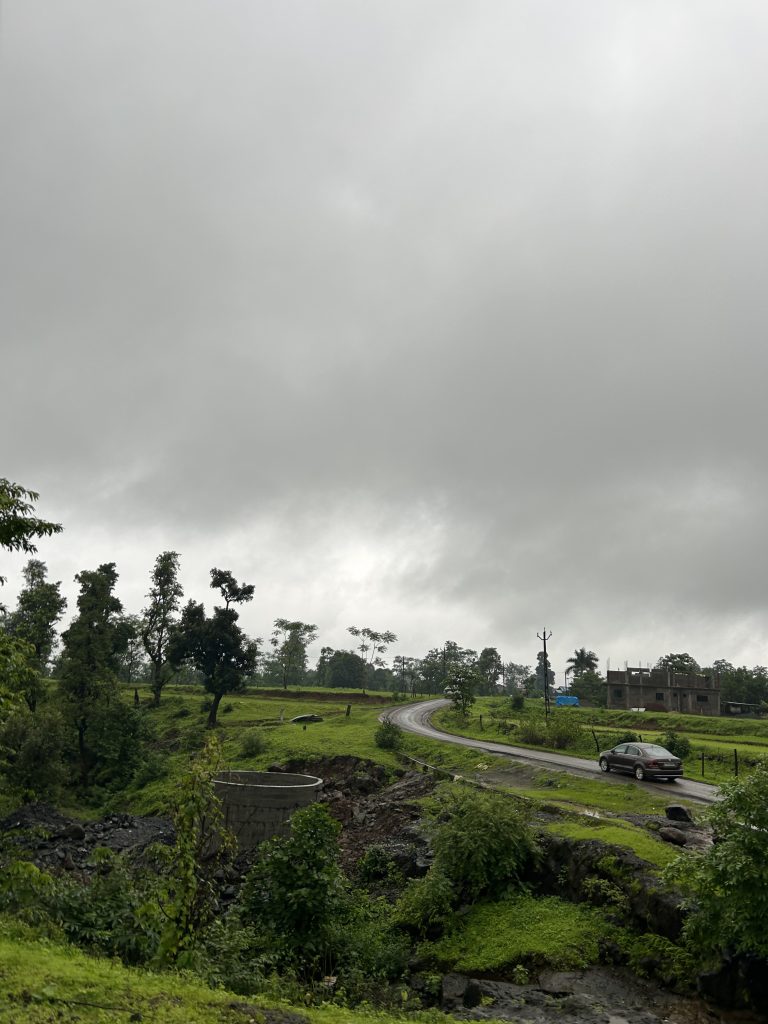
(618, 757)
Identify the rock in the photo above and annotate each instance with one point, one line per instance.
(676, 812)
(673, 835)
(74, 831)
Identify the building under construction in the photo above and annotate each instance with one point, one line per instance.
(660, 689)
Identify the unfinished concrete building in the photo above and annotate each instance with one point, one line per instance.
(660, 689)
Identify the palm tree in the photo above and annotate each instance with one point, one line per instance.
(582, 661)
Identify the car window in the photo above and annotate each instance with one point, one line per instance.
(654, 750)
(633, 751)
(621, 749)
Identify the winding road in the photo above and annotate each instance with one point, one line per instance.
(416, 718)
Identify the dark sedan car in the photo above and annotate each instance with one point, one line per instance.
(643, 760)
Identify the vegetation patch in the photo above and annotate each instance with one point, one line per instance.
(535, 932)
(617, 833)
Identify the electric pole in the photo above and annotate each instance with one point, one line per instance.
(544, 636)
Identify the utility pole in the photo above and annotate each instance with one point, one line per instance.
(544, 636)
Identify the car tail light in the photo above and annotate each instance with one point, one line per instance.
(652, 764)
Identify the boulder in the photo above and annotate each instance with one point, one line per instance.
(673, 835)
(676, 812)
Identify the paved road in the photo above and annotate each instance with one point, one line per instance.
(416, 718)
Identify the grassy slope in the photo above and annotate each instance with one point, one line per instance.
(42, 982)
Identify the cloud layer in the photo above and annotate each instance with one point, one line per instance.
(440, 318)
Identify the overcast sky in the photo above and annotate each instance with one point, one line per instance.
(445, 318)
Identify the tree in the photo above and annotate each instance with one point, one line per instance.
(18, 526)
(40, 606)
(216, 646)
(515, 676)
(435, 664)
(372, 644)
(682, 663)
(290, 641)
(345, 671)
(133, 662)
(19, 677)
(590, 688)
(160, 615)
(489, 667)
(93, 644)
(461, 685)
(581, 662)
(407, 673)
(232, 591)
(730, 881)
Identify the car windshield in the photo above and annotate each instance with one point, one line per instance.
(653, 750)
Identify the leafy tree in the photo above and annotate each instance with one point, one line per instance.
(729, 883)
(133, 661)
(31, 752)
(590, 688)
(93, 644)
(19, 677)
(436, 663)
(346, 671)
(161, 614)
(489, 667)
(19, 527)
(581, 662)
(232, 591)
(290, 641)
(461, 684)
(40, 606)
(202, 846)
(515, 676)
(321, 670)
(407, 673)
(682, 663)
(215, 645)
(372, 644)
(742, 685)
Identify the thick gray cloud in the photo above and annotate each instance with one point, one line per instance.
(443, 317)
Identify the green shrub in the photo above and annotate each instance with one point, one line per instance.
(253, 743)
(376, 864)
(532, 731)
(482, 841)
(426, 905)
(676, 744)
(388, 736)
(563, 729)
(31, 752)
(626, 737)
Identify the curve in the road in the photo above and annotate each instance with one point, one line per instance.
(415, 718)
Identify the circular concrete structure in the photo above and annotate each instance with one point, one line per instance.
(258, 805)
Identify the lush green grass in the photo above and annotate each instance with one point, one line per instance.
(617, 833)
(43, 982)
(533, 932)
(569, 792)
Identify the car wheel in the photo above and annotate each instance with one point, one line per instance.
(604, 766)
(639, 772)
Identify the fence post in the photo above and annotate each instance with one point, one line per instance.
(481, 723)
(735, 761)
(594, 737)
(702, 762)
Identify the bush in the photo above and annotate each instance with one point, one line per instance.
(388, 736)
(482, 842)
(676, 744)
(31, 752)
(253, 743)
(627, 737)
(376, 864)
(532, 731)
(426, 905)
(563, 730)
